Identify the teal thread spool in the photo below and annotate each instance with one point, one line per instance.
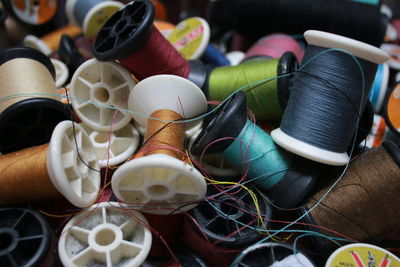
(285, 178)
(266, 100)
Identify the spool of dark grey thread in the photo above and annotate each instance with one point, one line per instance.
(327, 96)
(256, 18)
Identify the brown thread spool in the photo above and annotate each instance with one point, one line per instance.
(364, 205)
(29, 107)
(60, 168)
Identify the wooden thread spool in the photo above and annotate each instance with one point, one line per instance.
(157, 175)
(52, 170)
(364, 205)
(29, 108)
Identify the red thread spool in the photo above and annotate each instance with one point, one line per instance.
(130, 37)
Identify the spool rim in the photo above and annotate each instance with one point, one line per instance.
(309, 151)
(119, 139)
(27, 52)
(34, 42)
(94, 10)
(69, 10)
(106, 213)
(69, 54)
(357, 48)
(108, 32)
(70, 176)
(382, 88)
(167, 92)
(62, 72)
(234, 114)
(161, 188)
(288, 63)
(109, 87)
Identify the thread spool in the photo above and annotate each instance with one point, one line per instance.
(62, 72)
(272, 254)
(226, 235)
(33, 13)
(369, 177)
(277, 173)
(274, 46)
(339, 89)
(24, 236)
(235, 57)
(186, 258)
(347, 18)
(27, 119)
(267, 100)
(379, 87)
(49, 42)
(96, 86)
(164, 27)
(393, 50)
(362, 255)
(379, 133)
(115, 147)
(91, 15)
(108, 233)
(52, 170)
(392, 110)
(69, 54)
(191, 38)
(130, 37)
(158, 181)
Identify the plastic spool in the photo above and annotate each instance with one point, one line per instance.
(223, 234)
(164, 27)
(379, 88)
(358, 49)
(116, 147)
(34, 13)
(272, 254)
(108, 234)
(161, 180)
(35, 43)
(235, 57)
(62, 72)
(187, 258)
(28, 120)
(95, 87)
(24, 237)
(392, 110)
(363, 255)
(393, 50)
(91, 15)
(69, 54)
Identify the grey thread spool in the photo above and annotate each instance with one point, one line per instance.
(326, 97)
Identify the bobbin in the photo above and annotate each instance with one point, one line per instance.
(62, 72)
(98, 90)
(229, 122)
(30, 121)
(108, 233)
(272, 254)
(96, 16)
(69, 54)
(33, 13)
(24, 236)
(160, 180)
(358, 49)
(115, 147)
(35, 42)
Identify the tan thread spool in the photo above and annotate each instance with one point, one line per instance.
(164, 133)
(24, 177)
(53, 39)
(25, 76)
(368, 197)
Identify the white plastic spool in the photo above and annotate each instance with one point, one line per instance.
(72, 164)
(358, 49)
(95, 87)
(62, 72)
(105, 235)
(235, 57)
(159, 183)
(113, 149)
(34, 42)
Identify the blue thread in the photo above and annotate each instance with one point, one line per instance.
(82, 8)
(214, 56)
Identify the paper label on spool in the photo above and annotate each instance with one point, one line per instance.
(393, 109)
(34, 12)
(190, 37)
(98, 18)
(362, 255)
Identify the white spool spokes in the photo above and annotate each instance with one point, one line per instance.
(98, 90)
(108, 234)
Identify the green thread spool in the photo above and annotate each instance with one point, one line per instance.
(266, 100)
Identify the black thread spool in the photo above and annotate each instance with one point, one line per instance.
(360, 21)
(27, 121)
(224, 230)
(187, 258)
(270, 253)
(326, 98)
(283, 177)
(24, 237)
(69, 54)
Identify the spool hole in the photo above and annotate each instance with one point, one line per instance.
(158, 190)
(105, 237)
(102, 95)
(229, 207)
(101, 138)
(6, 240)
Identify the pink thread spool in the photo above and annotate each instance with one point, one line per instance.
(274, 46)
